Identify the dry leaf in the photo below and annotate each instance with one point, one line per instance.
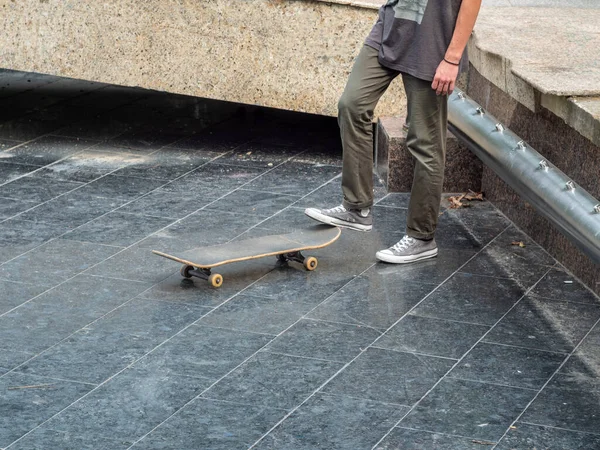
(519, 243)
(474, 196)
(455, 202)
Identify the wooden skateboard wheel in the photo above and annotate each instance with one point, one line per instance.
(185, 271)
(310, 263)
(215, 280)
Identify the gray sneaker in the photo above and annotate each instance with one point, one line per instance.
(355, 219)
(408, 250)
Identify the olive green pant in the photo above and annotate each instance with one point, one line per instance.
(427, 121)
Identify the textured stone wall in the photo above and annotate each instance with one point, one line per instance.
(288, 54)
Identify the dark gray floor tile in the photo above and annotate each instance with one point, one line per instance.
(151, 136)
(54, 315)
(273, 380)
(9, 207)
(259, 204)
(43, 438)
(545, 325)
(256, 314)
(55, 262)
(389, 376)
(71, 210)
(10, 172)
(102, 128)
(287, 221)
(211, 424)
(332, 422)
(395, 200)
(118, 228)
(204, 352)
(91, 297)
(482, 220)
(89, 356)
(26, 129)
(324, 197)
(324, 340)
(167, 204)
(46, 150)
(432, 336)
(403, 438)
(375, 299)
(34, 327)
(14, 294)
(167, 164)
(22, 409)
(536, 437)
(471, 298)
(452, 234)
(466, 408)
(128, 406)
(6, 144)
(89, 165)
(36, 189)
(390, 223)
(9, 359)
(553, 286)
(150, 319)
(296, 285)
(211, 179)
(121, 188)
(217, 140)
(525, 265)
(201, 229)
(137, 264)
(257, 154)
(195, 291)
(433, 270)
(295, 178)
(510, 366)
(567, 403)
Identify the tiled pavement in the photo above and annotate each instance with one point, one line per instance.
(104, 346)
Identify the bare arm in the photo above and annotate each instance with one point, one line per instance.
(447, 73)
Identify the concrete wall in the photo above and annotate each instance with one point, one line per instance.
(293, 55)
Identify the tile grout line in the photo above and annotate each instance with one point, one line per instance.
(561, 428)
(463, 357)
(597, 323)
(366, 348)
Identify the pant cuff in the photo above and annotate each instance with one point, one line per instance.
(421, 236)
(362, 205)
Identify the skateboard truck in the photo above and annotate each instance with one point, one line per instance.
(309, 263)
(215, 279)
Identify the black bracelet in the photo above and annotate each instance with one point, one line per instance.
(454, 64)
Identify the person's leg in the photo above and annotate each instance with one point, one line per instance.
(366, 84)
(426, 141)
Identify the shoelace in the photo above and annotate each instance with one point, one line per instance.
(404, 243)
(338, 209)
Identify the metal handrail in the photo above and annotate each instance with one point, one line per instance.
(552, 193)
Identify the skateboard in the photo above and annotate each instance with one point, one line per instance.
(198, 262)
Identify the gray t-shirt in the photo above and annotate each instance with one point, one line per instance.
(412, 36)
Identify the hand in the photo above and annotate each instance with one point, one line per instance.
(445, 78)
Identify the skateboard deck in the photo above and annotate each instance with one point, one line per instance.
(198, 262)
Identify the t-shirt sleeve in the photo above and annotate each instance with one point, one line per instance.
(376, 35)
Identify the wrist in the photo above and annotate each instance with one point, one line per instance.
(452, 63)
(453, 57)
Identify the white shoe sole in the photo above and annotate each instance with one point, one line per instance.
(386, 257)
(315, 214)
